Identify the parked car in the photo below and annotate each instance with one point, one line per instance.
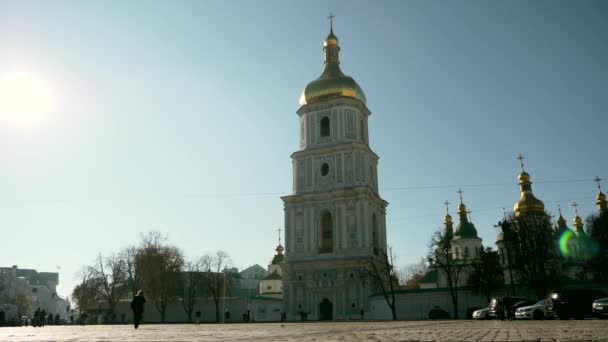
(481, 313)
(500, 307)
(564, 304)
(535, 311)
(600, 307)
(518, 305)
(438, 313)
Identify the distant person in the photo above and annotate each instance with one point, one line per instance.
(137, 306)
(42, 317)
(83, 318)
(56, 322)
(198, 314)
(36, 318)
(226, 315)
(362, 313)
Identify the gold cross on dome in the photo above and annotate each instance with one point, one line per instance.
(331, 20)
(521, 161)
(447, 208)
(459, 192)
(575, 205)
(279, 230)
(598, 180)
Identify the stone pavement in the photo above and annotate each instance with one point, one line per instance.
(451, 330)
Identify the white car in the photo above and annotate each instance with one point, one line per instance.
(480, 314)
(536, 311)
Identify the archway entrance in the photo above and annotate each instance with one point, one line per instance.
(325, 310)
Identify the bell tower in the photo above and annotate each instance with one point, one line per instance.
(334, 217)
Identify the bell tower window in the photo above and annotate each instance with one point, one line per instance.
(327, 241)
(325, 127)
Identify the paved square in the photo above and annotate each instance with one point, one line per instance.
(586, 330)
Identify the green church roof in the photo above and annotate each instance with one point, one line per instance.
(278, 258)
(466, 230)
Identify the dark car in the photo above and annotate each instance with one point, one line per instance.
(500, 307)
(564, 304)
(600, 307)
(438, 313)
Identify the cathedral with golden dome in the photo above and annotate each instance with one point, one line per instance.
(573, 245)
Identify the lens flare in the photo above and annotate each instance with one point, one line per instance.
(564, 239)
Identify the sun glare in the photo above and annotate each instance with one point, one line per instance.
(23, 98)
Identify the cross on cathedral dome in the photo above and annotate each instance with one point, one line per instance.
(332, 82)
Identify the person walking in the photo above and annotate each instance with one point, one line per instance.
(137, 306)
(198, 316)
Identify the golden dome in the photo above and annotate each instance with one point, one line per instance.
(279, 249)
(528, 203)
(447, 219)
(332, 82)
(524, 177)
(578, 223)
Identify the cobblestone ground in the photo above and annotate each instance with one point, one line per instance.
(587, 330)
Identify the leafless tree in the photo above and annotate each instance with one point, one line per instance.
(530, 241)
(192, 279)
(410, 275)
(133, 281)
(215, 280)
(111, 280)
(442, 259)
(382, 274)
(159, 266)
(85, 294)
(24, 306)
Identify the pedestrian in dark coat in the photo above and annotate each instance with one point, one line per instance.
(137, 306)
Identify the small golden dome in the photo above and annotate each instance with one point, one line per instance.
(529, 204)
(578, 223)
(331, 39)
(462, 209)
(448, 219)
(279, 249)
(524, 177)
(601, 197)
(332, 82)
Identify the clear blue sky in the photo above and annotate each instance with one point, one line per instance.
(180, 117)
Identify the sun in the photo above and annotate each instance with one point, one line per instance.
(24, 99)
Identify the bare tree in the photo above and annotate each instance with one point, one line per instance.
(85, 294)
(597, 228)
(441, 258)
(111, 280)
(215, 279)
(410, 275)
(487, 273)
(382, 273)
(193, 283)
(128, 256)
(530, 241)
(159, 266)
(24, 306)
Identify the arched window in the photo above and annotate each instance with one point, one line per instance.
(325, 127)
(375, 237)
(327, 241)
(466, 252)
